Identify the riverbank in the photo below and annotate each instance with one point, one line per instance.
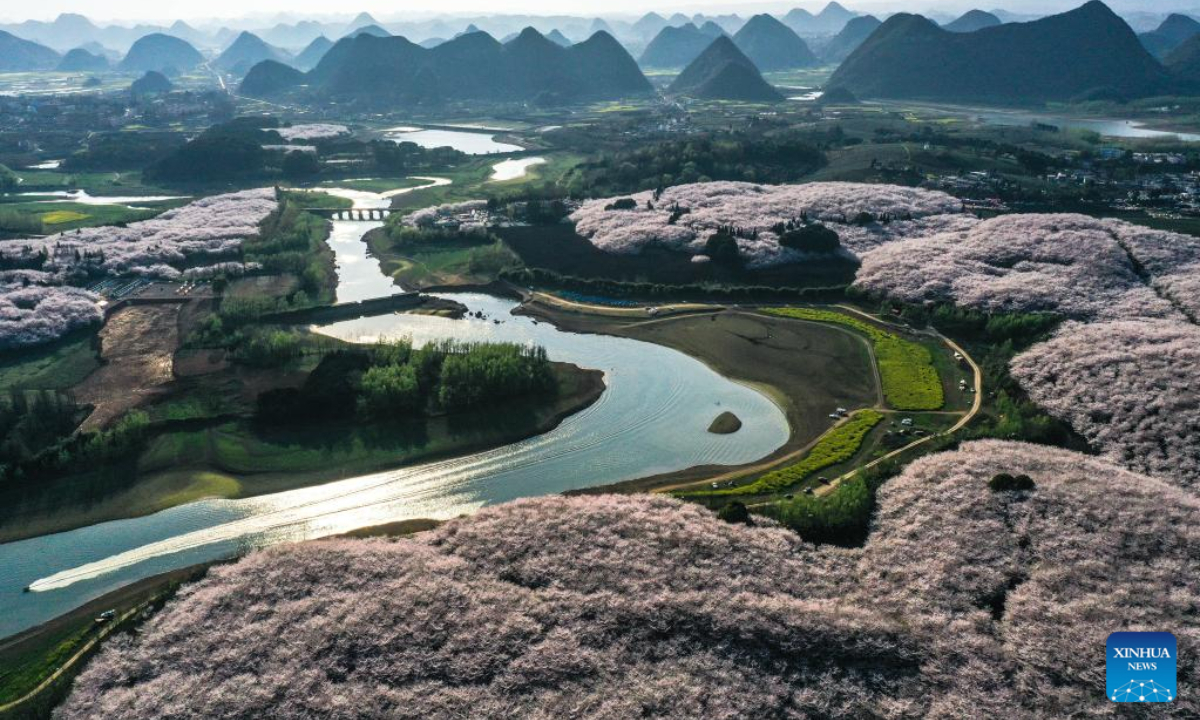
(37, 665)
(233, 460)
(808, 370)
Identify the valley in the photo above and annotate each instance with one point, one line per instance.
(710, 364)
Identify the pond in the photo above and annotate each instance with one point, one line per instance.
(652, 418)
(513, 169)
(84, 198)
(470, 142)
(1106, 127)
(1103, 127)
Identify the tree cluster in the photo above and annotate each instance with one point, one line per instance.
(395, 381)
(683, 217)
(764, 159)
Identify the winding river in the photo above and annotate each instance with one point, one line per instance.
(652, 418)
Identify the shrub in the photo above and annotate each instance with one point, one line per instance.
(300, 165)
(722, 248)
(389, 389)
(1003, 482)
(815, 238)
(621, 204)
(735, 513)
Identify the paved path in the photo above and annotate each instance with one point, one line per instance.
(70, 663)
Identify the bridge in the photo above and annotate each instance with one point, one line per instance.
(360, 215)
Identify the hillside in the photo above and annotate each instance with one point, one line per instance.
(675, 47)
(1087, 52)
(973, 20)
(649, 25)
(373, 30)
(1172, 33)
(80, 60)
(270, 77)
(771, 45)
(67, 31)
(246, 52)
(476, 66)
(723, 72)
(310, 56)
(152, 83)
(1184, 63)
(830, 21)
(17, 55)
(160, 52)
(847, 41)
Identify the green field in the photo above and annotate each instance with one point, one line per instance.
(472, 181)
(450, 263)
(64, 216)
(910, 381)
(837, 446)
(57, 366)
(22, 671)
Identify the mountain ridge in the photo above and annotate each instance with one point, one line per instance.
(1088, 52)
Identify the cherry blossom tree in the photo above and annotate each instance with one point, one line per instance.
(684, 217)
(965, 602)
(1129, 387)
(41, 306)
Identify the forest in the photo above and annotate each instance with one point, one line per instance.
(736, 156)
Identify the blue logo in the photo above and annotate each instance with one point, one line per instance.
(1141, 667)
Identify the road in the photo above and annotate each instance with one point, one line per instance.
(976, 405)
(107, 630)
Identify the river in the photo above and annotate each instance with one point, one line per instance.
(470, 142)
(513, 169)
(1105, 127)
(652, 418)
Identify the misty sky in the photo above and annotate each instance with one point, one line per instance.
(153, 10)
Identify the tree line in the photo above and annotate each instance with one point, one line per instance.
(38, 438)
(761, 159)
(394, 381)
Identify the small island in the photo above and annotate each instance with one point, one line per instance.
(725, 424)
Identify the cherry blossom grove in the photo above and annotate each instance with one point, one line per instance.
(428, 217)
(313, 131)
(33, 314)
(617, 607)
(39, 306)
(1125, 383)
(1172, 260)
(683, 217)
(1129, 387)
(1069, 264)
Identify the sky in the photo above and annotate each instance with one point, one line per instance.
(155, 10)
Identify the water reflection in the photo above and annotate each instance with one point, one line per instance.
(652, 418)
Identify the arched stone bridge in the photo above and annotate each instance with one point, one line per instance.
(363, 215)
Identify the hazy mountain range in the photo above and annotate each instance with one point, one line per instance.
(1088, 52)
(473, 65)
(979, 56)
(723, 72)
(70, 31)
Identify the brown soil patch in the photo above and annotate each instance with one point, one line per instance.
(191, 363)
(137, 346)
